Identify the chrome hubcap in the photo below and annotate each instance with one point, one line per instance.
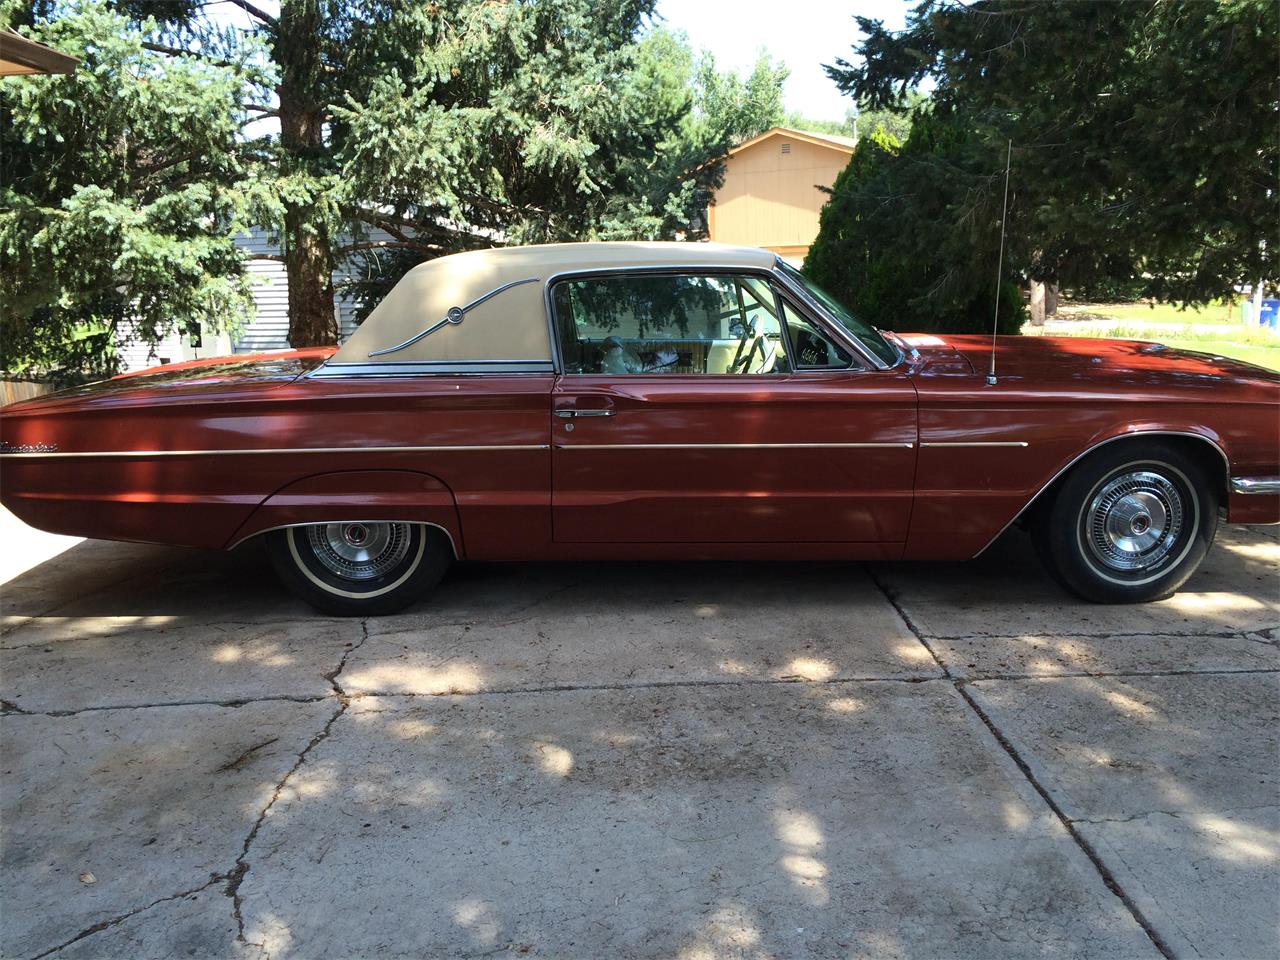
(1134, 521)
(359, 551)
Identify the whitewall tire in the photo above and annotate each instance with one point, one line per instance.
(360, 568)
(1129, 524)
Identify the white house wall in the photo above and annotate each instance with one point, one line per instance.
(137, 355)
(270, 328)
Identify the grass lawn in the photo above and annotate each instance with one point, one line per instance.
(1264, 355)
(1214, 329)
(1162, 313)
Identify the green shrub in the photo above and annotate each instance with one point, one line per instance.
(910, 236)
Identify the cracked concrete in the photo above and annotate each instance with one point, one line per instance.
(1062, 654)
(134, 799)
(65, 664)
(780, 818)
(1004, 593)
(644, 624)
(195, 925)
(688, 760)
(1174, 781)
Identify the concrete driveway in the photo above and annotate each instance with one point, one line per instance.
(657, 760)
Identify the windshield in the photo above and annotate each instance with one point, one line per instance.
(867, 335)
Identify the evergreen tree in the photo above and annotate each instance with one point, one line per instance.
(118, 197)
(909, 239)
(398, 131)
(1143, 132)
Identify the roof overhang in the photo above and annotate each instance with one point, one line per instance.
(842, 144)
(18, 55)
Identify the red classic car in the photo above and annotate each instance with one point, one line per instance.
(599, 401)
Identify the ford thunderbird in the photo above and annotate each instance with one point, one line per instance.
(655, 401)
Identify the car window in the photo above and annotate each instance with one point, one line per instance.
(685, 324)
(813, 348)
(867, 335)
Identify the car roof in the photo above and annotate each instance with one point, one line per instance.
(511, 326)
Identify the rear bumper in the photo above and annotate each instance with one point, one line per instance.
(1254, 500)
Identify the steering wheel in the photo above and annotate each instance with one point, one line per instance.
(747, 350)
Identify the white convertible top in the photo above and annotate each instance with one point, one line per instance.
(511, 325)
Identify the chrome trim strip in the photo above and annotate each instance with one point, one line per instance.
(975, 443)
(675, 268)
(1088, 450)
(831, 324)
(482, 448)
(454, 316)
(290, 526)
(1251, 485)
(735, 446)
(414, 368)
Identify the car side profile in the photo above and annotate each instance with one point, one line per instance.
(654, 401)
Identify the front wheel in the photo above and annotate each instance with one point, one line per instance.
(1129, 524)
(359, 568)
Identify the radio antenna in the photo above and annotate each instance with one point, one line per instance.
(1004, 215)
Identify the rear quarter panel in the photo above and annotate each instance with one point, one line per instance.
(193, 465)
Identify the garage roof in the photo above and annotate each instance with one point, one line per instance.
(18, 55)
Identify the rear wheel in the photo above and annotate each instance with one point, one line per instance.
(360, 568)
(1129, 524)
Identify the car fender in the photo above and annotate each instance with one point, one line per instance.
(1104, 438)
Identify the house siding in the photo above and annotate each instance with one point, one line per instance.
(270, 327)
(137, 355)
(771, 198)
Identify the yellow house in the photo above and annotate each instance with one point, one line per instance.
(771, 196)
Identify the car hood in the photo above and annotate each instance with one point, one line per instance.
(1098, 362)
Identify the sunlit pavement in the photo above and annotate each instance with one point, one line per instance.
(666, 760)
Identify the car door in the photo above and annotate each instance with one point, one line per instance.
(703, 407)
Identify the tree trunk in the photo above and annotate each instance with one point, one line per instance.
(1051, 300)
(1037, 303)
(308, 264)
(308, 248)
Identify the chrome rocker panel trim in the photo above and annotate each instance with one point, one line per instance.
(975, 443)
(735, 446)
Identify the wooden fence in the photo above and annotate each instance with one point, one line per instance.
(11, 391)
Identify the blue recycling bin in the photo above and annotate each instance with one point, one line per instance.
(1269, 315)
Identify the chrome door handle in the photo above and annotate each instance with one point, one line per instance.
(573, 414)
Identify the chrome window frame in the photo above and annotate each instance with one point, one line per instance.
(771, 275)
(416, 368)
(786, 303)
(861, 350)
